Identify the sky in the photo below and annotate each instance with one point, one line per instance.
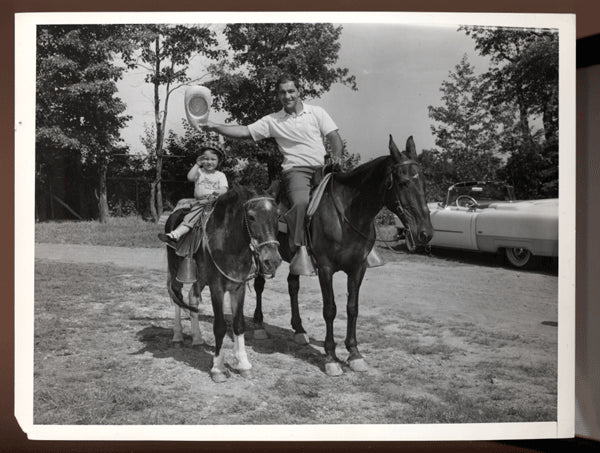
(399, 70)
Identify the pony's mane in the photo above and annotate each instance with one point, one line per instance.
(238, 194)
(360, 173)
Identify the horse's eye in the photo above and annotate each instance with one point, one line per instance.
(251, 217)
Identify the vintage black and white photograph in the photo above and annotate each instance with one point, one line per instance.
(292, 222)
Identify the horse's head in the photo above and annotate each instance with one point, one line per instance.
(260, 218)
(405, 194)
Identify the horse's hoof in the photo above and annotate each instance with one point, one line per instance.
(218, 376)
(333, 369)
(246, 374)
(358, 365)
(260, 334)
(301, 338)
(177, 344)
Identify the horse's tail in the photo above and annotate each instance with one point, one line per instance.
(177, 298)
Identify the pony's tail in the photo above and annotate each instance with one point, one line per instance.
(173, 261)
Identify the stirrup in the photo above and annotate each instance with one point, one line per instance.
(374, 260)
(187, 271)
(301, 263)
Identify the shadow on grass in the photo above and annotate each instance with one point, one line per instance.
(158, 342)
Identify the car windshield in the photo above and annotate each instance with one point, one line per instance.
(483, 192)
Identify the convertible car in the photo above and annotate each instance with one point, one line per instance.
(484, 216)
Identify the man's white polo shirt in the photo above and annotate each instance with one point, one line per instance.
(298, 136)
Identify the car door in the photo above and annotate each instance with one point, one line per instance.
(454, 227)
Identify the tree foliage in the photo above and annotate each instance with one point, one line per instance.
(487, 126)
(244, 85)
(465, 129)
(524, 70)
(165, 52)
(524, 75)
(78, 115)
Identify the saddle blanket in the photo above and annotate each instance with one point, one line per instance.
(191, 241)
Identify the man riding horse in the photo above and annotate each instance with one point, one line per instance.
(298, 129)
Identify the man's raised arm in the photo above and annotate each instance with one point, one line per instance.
(228, 130)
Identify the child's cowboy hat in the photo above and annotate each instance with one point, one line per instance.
(197, 104)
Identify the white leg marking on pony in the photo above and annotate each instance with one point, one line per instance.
(218, 372)
(177, 329)
(195, 302)
(239, 352)
(219, 362)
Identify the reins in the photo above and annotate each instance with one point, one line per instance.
(388, 188)
(342, 215)
(254, 248)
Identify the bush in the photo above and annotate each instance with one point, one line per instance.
(122, 208)
(385, 217)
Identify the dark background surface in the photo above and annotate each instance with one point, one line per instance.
(11, 436)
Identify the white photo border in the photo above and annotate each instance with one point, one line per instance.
(25, 49)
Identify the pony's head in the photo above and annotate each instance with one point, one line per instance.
(260, 220)
(405, 195)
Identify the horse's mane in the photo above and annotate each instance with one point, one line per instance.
(238, 193)
(359, 174)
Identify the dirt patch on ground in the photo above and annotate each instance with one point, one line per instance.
(448, 340)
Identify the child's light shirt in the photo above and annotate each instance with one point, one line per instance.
(207, 183)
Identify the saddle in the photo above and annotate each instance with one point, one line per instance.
(189, 244)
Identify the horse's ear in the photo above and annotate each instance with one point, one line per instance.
(394, 151)
(273, 189)
(411, 149)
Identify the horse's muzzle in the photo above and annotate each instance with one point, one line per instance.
(269, 261)
(424, 237)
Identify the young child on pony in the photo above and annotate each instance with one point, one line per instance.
(208, 184)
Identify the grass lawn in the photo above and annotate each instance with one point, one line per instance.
(103, 355)
(122, 232)
(117, 232)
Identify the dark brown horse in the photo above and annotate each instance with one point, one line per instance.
(239, 243)
(342, 233)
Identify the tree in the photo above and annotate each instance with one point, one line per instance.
(524, 73)
(439, 173)
(78, 116)
(466, 131)
(524, 69)
(244, 85)
(164, 51)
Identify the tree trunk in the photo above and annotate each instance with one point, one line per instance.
(523, 119)
(550, 118)
(155, 216)
(156, 190)
(102, 197)
(82, 207)
(159, 199)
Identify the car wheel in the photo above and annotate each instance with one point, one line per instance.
(518, 256)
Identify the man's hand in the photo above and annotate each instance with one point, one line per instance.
(208, 126)
(334, 166)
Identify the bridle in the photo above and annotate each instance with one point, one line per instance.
(398, 203)
(389, 187)
(253, 245)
